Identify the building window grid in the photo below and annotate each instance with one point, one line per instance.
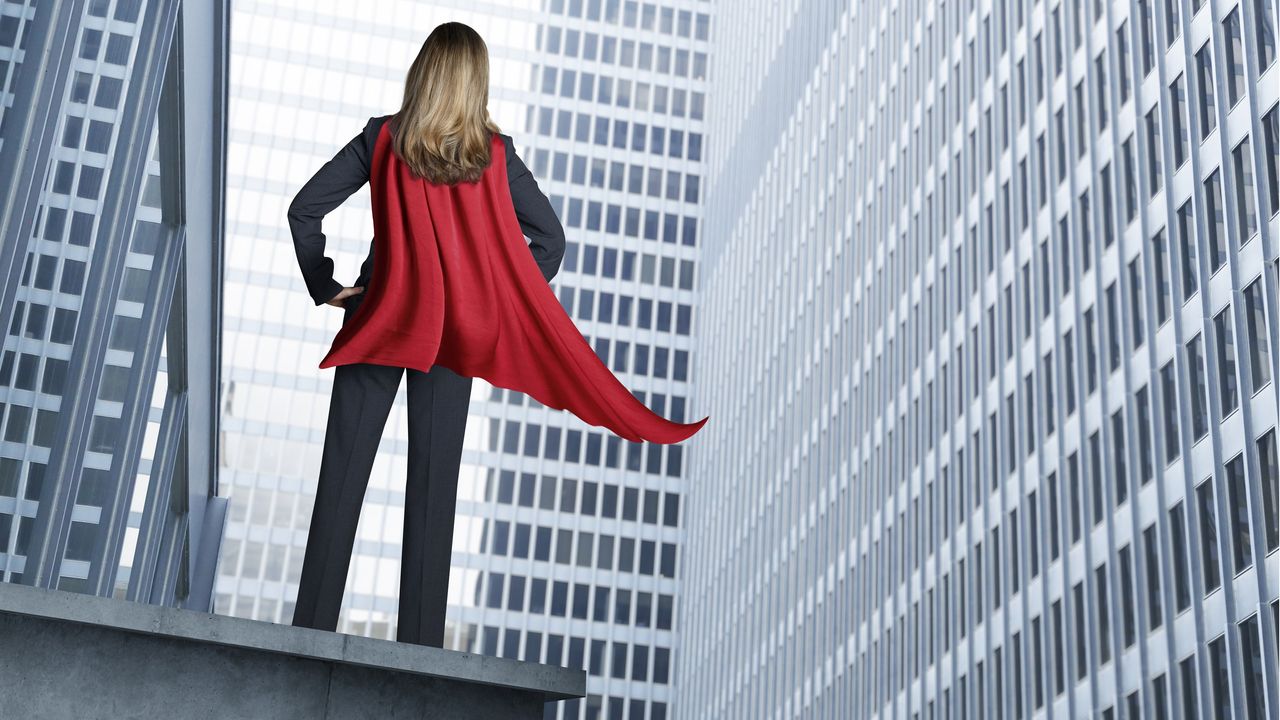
(1193, 329)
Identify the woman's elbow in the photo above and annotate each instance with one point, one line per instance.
(558, 242)
(552, 255)
(298, 209)
(551, 265)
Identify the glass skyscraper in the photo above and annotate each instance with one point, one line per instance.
(111, 180)
(568, 539)
(988, 320)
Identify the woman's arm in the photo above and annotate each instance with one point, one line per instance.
(333, 183)
(537, 218)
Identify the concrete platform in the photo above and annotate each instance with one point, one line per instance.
(67, 655)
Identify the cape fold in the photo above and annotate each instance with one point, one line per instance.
(454, 284)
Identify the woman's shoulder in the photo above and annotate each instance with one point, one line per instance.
(373, 128)
(377, 121)
(509, 145)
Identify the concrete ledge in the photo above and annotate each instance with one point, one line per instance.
(64, 654)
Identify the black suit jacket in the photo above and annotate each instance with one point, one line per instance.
(341, 176)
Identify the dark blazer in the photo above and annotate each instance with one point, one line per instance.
(341, 176)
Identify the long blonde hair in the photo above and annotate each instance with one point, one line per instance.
(442, 130)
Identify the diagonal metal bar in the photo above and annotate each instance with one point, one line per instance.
(170, 581)
(114, 518)
(156, 510)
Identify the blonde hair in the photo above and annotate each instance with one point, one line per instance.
(443, 130)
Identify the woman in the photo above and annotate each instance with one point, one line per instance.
(455, 293)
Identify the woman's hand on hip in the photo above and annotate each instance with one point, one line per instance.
(343, 294)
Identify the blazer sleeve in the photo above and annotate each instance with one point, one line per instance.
(333, 183)
(538, 220)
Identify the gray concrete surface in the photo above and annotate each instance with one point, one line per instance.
(67, 655)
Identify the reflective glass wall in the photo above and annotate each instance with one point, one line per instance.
(110, 224)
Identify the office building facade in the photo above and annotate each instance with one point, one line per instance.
(567, 539)
(1001, 279)
(110, 238)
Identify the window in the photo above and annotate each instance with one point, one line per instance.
(1108, 225)
(1143, 430)
(1238, 514)
(1227, 383)
(1259, 341)
(1204, 67)
(1151, 546)
(1028, 307)
(1082, 624)
(1254, 686)
(1039, 64)
(1130, 181)
(1033, 534)
(1073, 487)
(1160, 259)
(1020, 76)
(1171, 26)
(1008, 313)
(1245, 211)
(1100, 69)
(1082, 122)
(1050, 424)
(1265, 42)
(1057, 41)
(1118, 457)
(1153, 152)
(1099, 487)
(1235, 56)
(1178, 113)
(1135, 301)
(1029, 424)
(1145, 30)
(1269, 470)
(1220, 701)
(1199, 390)
(1122, 50)
(1214, 221)
(1069, 371)
(1064, 249)
(1103, 617)
(1208, 536)
(1190, 699)
(1112, 329)
(1159, 696)
(1059, 649)
(1046, 281)
(1127, 621)
(1271, 136)
(1168, 388)
(1187, 244)
(1181, 569)
(1086, 252)
(1016, 641)
(1037, 648)
(1024, 204)
(1090, 351)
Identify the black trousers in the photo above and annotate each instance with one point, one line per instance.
(362, 398)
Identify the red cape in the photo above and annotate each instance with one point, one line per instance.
(454, 284)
